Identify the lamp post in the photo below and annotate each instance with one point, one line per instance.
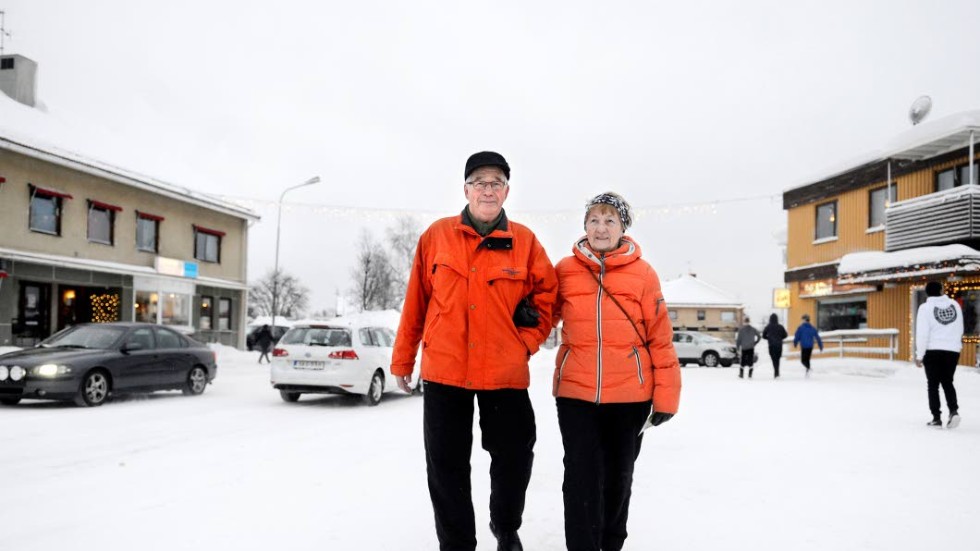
(275, 273)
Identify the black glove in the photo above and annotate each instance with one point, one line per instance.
(659, 417)
(525, 315)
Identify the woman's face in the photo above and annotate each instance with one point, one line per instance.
(603, 228)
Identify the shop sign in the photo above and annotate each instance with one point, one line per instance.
(174, 267)
(825, 287)
(780, 298)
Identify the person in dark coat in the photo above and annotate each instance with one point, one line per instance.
(805, 335)
(264, 341)
(745, 340)
(774, 333)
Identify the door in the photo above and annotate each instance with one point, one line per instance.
(33, 313)
(175, 358)
(137, 368)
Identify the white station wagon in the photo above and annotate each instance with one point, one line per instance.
(334, 359)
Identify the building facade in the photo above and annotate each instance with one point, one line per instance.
(84, 241)
(695, 305)
(863, 242)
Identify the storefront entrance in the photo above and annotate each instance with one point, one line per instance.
(78, 304)
(33, 321)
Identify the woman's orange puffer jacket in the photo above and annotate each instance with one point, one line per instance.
(601, 358)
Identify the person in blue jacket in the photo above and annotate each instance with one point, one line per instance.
(805, 335)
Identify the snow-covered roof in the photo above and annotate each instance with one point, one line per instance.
(881, 266)
(38, 134)
(922, 141)
(688, 290)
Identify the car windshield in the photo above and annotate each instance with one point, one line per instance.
(317, 336)
(85, 336)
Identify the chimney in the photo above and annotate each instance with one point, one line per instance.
(18, 78)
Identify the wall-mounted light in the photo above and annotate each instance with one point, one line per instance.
(69, 295)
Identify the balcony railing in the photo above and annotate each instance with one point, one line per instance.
(949, 216)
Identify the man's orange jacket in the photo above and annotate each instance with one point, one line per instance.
(460, 302)
(602, 358)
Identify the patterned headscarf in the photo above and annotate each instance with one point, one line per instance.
(617, 202)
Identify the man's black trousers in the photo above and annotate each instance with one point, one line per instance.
(508, 434)
(748, 357)
(805, 354)
(940, 367)
(775, 353)
(601, 444)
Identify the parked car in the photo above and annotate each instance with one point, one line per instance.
(277, 332)
(702, 349)
(334, 359)
(91, 362)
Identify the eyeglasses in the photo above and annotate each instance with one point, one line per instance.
(482, 186)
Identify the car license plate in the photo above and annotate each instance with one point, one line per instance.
(308, 364)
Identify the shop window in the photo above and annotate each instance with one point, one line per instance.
(826, 223)
(224, 314)
(175, 309)
(207, 244)
(701, 315)
(878, 201)
(148, 232)
(45, 216)
(970, 303)
(147, 306)
(956, 177)
(101, 221)
(207, 311)
(850, 313)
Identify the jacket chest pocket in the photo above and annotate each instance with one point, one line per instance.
(507, 281)
(448, 280)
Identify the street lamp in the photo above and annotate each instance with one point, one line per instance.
(275, 273)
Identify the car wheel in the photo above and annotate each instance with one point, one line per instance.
(710, 359)
(197, 381)
(10, 401)
(289, 396)
(375, 390)
(94, 390)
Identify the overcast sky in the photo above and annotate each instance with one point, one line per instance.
(699, 113)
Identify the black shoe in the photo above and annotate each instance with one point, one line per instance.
(741, 373)
(750, 373)
(506, 541)
(936, 422)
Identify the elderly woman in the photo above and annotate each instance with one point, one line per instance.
(616, 372)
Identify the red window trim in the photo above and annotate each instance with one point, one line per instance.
(106, 206)
(148, 216)
(202, 229)
(50, 192)
(3, 180)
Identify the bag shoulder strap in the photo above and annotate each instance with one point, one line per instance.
(643, 339)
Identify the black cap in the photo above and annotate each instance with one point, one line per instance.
(486, 158)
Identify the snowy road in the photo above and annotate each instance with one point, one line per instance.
(841, 461)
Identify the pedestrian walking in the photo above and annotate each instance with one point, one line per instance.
(775, 333)
(745, 340)
(264, 340)
(938, 342)
(479, 302)
(806, 335)
(616, 372)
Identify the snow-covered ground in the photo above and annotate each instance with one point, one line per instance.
(841, 461)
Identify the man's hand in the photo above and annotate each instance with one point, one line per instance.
(404, 382)
(918, 363)
(659, 417)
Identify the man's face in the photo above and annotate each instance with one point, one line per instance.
(485, 204)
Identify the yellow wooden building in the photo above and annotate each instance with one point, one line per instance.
(863, 241)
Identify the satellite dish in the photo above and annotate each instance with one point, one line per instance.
(920, 108)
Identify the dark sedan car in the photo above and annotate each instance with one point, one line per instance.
(88, 363)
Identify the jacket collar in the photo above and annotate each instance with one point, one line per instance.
(467, 220)
(628, 251)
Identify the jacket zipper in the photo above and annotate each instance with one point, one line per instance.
(639, 366)
(561, 369)
(598, 327)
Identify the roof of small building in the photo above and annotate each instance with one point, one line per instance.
(39, 134)
(688, 290)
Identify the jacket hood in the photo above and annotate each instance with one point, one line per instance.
(773, 319)
(628, 251)
(942, 300)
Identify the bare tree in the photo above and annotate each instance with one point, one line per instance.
(372, 275)
(291, 302)
(402, 240)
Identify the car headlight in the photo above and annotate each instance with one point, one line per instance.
(17, 373)
(51, 370)
(4, 373)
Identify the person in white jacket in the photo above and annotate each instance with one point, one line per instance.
(938, 342)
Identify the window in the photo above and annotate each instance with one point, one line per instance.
(701, 315)
(7, 63)
(367, 338)
(826, 226)
(207, 310)
(956, 177)
(175, 309)
(142, 337)
(843, 313)
(207, 244)
(728, 317)
(147, 232)
(878, 200)
(147, 305)
(672, 314)
(224, 314)
(168, 339)
(969, 300)
(101, 221)
(383, 336)
(45, 216)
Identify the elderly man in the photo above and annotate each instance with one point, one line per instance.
(479, 301)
